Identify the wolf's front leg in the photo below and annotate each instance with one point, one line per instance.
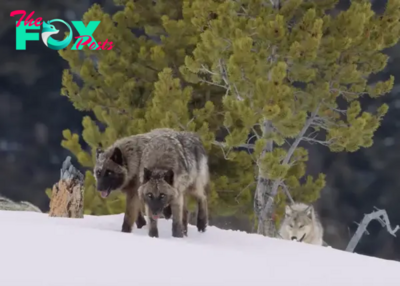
(153, 229)
(131, 212)
(167, 212)
(140, 221)
(177, 216)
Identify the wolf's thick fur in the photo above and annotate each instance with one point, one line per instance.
(174, 166)
(117, 168)
(302, 224)
(9, 205)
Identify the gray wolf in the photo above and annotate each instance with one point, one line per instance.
(117, 168)
(173, 167)
(9, 205)
(301, 224)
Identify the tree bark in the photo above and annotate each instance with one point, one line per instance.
(264, 194)
(67, 195)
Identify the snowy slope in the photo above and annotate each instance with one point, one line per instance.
(41, 251)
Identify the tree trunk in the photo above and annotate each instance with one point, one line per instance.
(67, 195)
(264, 205)
(265, 194)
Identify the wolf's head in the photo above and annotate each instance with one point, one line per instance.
(110, 170)
(299, 221)
(157, 189)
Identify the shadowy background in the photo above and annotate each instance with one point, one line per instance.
(33, 115)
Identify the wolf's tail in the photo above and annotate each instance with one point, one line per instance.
(9, 205)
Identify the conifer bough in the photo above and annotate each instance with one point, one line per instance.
(293, 73)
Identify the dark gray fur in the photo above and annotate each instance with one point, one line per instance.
(117, 168)
(173, 166)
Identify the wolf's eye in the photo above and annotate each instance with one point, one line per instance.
(108, 173)
(301, 226)
(162, 196)
(98, 173)
(150, 195)
(291, 225)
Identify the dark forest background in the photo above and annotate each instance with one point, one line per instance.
(33, 115)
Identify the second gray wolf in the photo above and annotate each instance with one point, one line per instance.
(174, 166)
(301, 224)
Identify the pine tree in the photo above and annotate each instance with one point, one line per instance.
(293, 72)
(137, 86)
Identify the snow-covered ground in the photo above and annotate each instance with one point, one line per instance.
(40, 251)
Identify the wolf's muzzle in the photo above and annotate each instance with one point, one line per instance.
(299, 240)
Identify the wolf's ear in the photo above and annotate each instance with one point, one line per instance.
(310, 211)
(98, 152)
(117, 156)
(146, 175)
(169, 177)
(288, 210)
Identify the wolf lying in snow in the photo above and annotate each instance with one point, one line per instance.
(301, 224)
(173, 166)
(9, 205)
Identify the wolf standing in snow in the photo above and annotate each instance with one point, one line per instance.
(302, 224)
(174, 166)
(117, 168)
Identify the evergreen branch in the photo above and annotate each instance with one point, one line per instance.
(224, 145)
(300, 136)
(313, 140)
(204, 69)
(341, 111)
(320, 125)
(379, 215)
(324, 123)
(214, 84)
(224, 76)
(345, 92)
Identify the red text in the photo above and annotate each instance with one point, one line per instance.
(28, 19)
(92, 45)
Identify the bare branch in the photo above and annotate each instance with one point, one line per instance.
(379, 215)
(320, 125)
(224, 76)
(287, 193)
(300, 136)
(190, 121)
(312, 141)
(223, 145)
(214, 84)
(204, 69)
(345, 92)
(255, 133)
(341, 111)
(244, 189)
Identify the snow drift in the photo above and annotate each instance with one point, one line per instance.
(42, 251)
